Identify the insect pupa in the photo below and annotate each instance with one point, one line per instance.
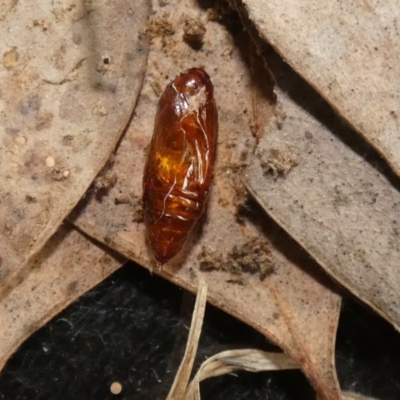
(179, 167)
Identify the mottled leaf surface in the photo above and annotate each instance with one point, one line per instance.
(252, 268)
(69, 77)
(349, 52)
(69, 265)
(333, 194)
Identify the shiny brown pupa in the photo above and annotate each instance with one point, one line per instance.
(179, 167)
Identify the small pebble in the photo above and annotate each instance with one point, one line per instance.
(116, 388)
(50, 162)
(20, 140)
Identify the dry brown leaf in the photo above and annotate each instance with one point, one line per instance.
(68, 265)
(229, 361)
(182, 377)
(291, 303)
(222, 363)
(355, 396)
(348, 51)
(334, 201)
(69, 78)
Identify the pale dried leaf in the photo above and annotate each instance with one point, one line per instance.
(335, 200)
(67, 93)
(293, 305)
(355, 396)
(68, 265)
(229, 361)
(181, 380)
(349, 51)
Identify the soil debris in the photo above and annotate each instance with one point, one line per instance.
(193, 33)
(253, 257)
(278, 162)
(160, 27)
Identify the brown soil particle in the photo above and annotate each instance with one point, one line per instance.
(278, 162)
(193, 32)
(253, 257)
